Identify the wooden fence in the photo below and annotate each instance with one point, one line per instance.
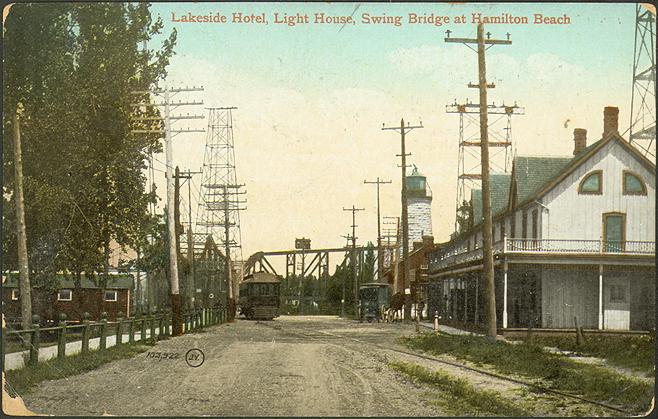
(159, 324)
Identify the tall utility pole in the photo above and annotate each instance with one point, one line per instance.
(488, 268)
(380, 259)
(353, 255)
(187, 176)
(402, 129)
(643, 98)
(395, 255)
(342, 299)
(24, 278)
(230, 202)
(166, 95)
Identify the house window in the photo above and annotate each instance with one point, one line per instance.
(617, 294)
(65, 295)
(14, 295)
(633, 184)
(524, 224)
(512, 223)
(535, 220)
(592, 183)
(502, 229)
(110, 296)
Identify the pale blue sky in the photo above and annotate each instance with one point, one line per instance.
(311, 100)
(320, 57)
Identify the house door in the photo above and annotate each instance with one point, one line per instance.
(614, 226)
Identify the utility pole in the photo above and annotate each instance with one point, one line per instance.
(300, 310)
(402, 129)
(167, 94)
(487, 263)
(342, 300)
(24, 273)
(353, 255)
(187, 176)
(380, 261)
(228, 204)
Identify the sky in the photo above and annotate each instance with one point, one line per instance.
(312, 98)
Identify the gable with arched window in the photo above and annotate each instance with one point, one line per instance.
(633, 184)
(592, 183)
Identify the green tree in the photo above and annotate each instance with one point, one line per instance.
(74, 68)
(369, 264)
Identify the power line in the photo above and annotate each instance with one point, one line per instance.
(403, 130)
(353, 210)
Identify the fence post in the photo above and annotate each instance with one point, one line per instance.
(166, 321)
(144, 317)
(85, 332)
(131, 330)
(35, 337)
(102, 344)
(61, 336)
(119, 330)
(159, 314)
(153, 326)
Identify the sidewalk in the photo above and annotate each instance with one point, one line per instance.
(447, 329)
(16, 360)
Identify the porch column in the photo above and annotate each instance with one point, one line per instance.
(475, 316)
(505, 295)
(465, 299)
(600, 297)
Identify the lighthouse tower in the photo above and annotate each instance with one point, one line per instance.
(419, 207)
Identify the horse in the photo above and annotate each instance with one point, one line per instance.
(394, 312)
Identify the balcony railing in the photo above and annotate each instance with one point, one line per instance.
(579, 246)
(458, 255)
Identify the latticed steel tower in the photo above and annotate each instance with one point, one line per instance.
(219, 204)
(643, 102)
(469, 160)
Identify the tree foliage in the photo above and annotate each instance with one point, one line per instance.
(74, 67)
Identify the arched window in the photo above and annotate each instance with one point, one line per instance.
(592, 183)
(633, 184)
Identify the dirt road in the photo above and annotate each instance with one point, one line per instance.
(293, 366)
(250, 369)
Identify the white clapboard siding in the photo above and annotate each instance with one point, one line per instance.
(575, 216)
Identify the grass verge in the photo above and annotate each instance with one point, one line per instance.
(458, 396)
(635, 352)
(553, 370)
(20, 380)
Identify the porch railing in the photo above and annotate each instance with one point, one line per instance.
(579, 246)
(458, 255)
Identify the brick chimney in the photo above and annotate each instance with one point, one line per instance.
(610, 120)
(579, 140)
(428, 241)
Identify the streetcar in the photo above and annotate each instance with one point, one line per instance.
(259, 296)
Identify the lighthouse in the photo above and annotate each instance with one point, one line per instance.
(419, 207)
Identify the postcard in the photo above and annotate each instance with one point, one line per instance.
(329, 209)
